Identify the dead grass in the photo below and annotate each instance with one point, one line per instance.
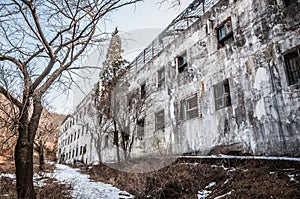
(51, 189)
(184, 178)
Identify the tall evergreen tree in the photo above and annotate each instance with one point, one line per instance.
(114, 66)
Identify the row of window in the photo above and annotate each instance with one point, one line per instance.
(189, 107)
(75, 136)
(225, 36)
(73, 153)
(78, 117)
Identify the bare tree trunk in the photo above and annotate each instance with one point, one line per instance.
(24, 167)
(116, 141)
(24, 151)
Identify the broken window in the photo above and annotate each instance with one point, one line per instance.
(182, 63)
(143, 91)
(292, 62)
(222, 95)
(141, 128)
(160, 120)
(289, 2)
(225, 33)
(189, 108)
(161, 78)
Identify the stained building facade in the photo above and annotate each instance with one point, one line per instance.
(224, 76)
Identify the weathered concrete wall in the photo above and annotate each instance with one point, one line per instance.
(264, 114)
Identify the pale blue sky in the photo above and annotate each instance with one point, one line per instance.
(144, 22)
(148, 14)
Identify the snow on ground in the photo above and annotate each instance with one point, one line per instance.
(84, 188)
(242, 157)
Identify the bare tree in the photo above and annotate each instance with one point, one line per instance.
(39, 43)
(128, 113)
(8, 130)
(45, 141)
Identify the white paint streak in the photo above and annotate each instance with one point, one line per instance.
(260, 78)
(260, 110)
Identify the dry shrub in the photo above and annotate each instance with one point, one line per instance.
(185, 177)
(7, 188)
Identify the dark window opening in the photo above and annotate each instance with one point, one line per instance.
(292, 61)
(84, 149)
(189, 108)
(161, 78)
(222, 95)
(182, 63)
(225, 33)
(159, 120)
(141, 128)
(143, 91)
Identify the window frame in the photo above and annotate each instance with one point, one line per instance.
(225, 37)
(222, 94)
(187, 112)
(292, 71)
(182, 62)
(160, 120)
(161, 78)
(143, 90)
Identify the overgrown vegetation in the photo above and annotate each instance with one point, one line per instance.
(186, 178)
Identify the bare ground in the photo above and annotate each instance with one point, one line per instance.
(230, 178)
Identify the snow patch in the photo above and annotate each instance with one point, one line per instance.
(222, 196)
(7, 175)
(205, 193)
(84, 188)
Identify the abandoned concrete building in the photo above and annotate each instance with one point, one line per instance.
(223, 76)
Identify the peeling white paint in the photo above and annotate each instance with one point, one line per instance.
(260, 110)
(261, 78)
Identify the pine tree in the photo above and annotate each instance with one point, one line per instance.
(114, 66)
